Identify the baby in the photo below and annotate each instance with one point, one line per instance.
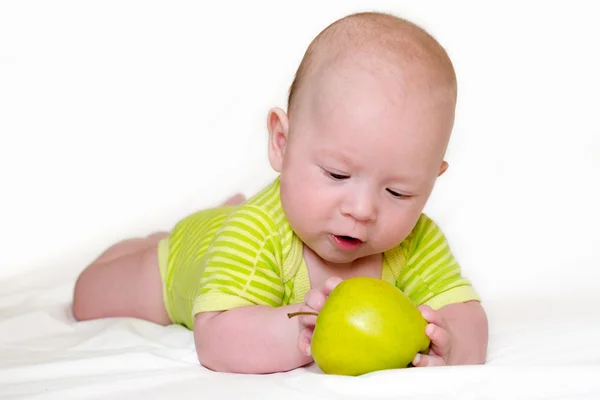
(370, 113)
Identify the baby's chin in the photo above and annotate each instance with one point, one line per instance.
(333, 256)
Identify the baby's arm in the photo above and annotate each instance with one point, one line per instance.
(252, 339)
(458, 333)
(458, 326)
(269, 343)
(241, 323)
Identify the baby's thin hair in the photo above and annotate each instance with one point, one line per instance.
(380, 35)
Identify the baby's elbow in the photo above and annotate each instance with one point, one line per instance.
(208, 355)
(205, 358)
(209, 362)
(480, 336)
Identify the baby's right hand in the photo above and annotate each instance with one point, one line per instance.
(313, 302)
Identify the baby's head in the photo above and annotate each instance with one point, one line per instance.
(370, 114)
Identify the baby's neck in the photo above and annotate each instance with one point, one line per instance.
(319, 270)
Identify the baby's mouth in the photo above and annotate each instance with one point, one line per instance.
(349, 239)
(346, 242)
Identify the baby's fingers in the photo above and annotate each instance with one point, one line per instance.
(440, 339)
(431, 360)
(432, 316)
(315, 299)
(330, 284)
(307, 320)
(304, 340)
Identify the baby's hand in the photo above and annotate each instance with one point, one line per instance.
(441, 340)
(313, 302)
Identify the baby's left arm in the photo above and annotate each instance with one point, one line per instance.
(458, 333)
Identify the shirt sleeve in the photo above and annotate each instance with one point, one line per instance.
(431, 275)
(243, 264)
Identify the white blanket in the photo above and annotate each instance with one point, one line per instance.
(119, 117)
(543, 349)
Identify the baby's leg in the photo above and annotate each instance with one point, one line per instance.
(123, 282)
(129, 246)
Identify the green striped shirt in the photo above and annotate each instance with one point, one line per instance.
(228, 257)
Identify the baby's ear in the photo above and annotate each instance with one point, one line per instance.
(443, 168)
(277, 122)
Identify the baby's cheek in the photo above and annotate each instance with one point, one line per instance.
(311, 209)
(392, 235)
(396, 226)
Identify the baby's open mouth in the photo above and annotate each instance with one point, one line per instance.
(344, 242)
(349, 238)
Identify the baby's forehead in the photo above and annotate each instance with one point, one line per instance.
(381, 42)
(383, 50)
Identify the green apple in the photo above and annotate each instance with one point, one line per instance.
(367, 325)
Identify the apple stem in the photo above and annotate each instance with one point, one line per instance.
(292, 315)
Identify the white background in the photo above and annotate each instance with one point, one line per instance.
(119, 117)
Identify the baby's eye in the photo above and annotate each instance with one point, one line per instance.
(394, 193)
(337, 177)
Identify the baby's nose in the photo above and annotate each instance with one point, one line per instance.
(361, 207)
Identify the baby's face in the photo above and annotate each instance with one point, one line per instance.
(361, 160)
